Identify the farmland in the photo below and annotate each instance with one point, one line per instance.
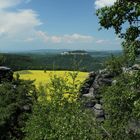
(43, 77)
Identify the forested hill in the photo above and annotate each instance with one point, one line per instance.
(55, 61)
(52, 62)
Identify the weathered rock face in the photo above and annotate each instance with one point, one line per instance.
(88, 82)
(132, 69)
(90, 91)
(6, 74)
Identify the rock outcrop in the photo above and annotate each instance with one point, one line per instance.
(90, 91)
(6, 74)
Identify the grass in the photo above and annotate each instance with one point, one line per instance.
(43, 78)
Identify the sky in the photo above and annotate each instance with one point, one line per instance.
(54, 24)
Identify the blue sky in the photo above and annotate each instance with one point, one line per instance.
(53, 24)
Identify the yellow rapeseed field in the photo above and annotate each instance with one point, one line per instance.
(43, 78)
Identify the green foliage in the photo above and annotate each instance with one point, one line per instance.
(122, 106)
(130, 50)
(2, 59)
(61, 118)
(114, 64)
(123, 12)
(13, 96)
(52, 62)
(122, 99)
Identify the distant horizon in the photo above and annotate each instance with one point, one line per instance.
(59, 50)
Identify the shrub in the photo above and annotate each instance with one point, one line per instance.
(62, 117)
(122, 106)
(14, 96)
(114, 64)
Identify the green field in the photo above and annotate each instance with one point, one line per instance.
(43, 78)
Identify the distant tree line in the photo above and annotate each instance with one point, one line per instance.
(52, 62)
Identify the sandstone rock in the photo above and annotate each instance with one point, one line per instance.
(103, 71)
(114, 82)
(89, 95)
(98, 106)
(106, 81)
(92, 74)
(107, 75)
(96, 85)
(6, 74)
(98, 113)
(136, 67)
(100, 119)
(91, 90)
(90, 81)
(26, 108)
(84, 90)
(124, 69)
(90, 104)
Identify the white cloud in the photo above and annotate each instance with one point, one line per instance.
(8, 3)
(103, 3)
(4, 4)
(21, 22)
(42, 35)
(65, 38)
(103, 41)
(78, 38)
(109, 42)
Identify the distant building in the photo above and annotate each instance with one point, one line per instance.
(77, 52)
